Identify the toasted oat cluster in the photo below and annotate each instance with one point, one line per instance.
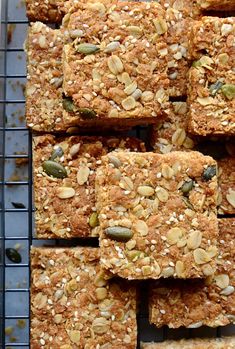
(227, 185)
(195, 343)
(116, 67)
(218, 5)
(172, 134)
(211, 82)
(75, 306)
(157, 214)
(45, 10)
(193, 303)
(64, 182)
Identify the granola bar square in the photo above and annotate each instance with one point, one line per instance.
(64, 182)
(75, 305)
(179, 17)
(44, 110)
(157, 214)
(209, 302)
(172, 133)
(211, 83)
(115, 70)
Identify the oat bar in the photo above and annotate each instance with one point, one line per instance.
(226, 172)
(75, 306)
(172, 134)
(211, 85)
(218, 5)
(64, 175)
(193, 303)
(115, 70)
(179, 16)
(195, 343)
(44, 110)
(157, 214)
(45, 10)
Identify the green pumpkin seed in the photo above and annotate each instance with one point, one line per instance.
(13, 255)
(93, 220)
(54, 169)
(57, 153)
(119, 233)
(214, 88)
(18, 205)
(87, 49)
(228, 91)
(187, 187)
(68, 105)
(209, 173)
(86, 113)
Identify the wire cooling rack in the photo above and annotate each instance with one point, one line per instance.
(16, 224)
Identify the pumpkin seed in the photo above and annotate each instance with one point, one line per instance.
(18, 205)
(57, 153)
(209, 173)
(86, 113)
(119, 233)
(54, 169)
(87, 49)
(187, 187)
(68, 105)
(93, 220)
(228, 91)
(214, 88)
(13, 255)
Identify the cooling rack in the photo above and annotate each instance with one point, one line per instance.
(16, 209)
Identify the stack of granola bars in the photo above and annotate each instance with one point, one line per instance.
(163, 211)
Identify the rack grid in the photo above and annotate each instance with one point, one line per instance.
(16, 225)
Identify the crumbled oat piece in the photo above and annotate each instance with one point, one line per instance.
(195, 343)
(209, 302)
(64, 175)
(46, 10)
(115, 70)
(74, 304)
(171, 134)
(211, 83)
(157, 211)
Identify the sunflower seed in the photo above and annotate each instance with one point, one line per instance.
(65, 192)
(187, 187)
(209, 173)
(145, 190)
(112, 46)
(57, 153)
